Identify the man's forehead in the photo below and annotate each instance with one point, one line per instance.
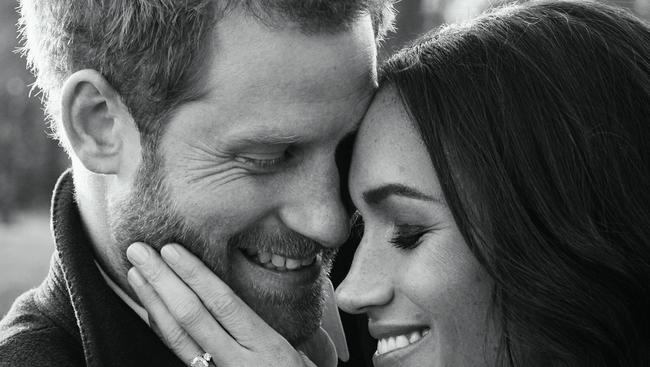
(253, 61)
(281, 86)
(241, 125)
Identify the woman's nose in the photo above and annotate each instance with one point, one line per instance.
(369, 283)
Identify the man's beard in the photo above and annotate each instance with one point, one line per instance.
(148, 215)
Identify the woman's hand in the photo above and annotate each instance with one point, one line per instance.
(194, 311)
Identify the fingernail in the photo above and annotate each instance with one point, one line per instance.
(170, 254)
(136, 278)
(137, 253)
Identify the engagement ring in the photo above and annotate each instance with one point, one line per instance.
(201, 361)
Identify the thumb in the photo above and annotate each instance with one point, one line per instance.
(320, 349)
(306, 360)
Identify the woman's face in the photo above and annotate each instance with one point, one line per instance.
(426, 296)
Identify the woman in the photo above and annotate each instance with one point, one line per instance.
(503, 176)
(528, 241)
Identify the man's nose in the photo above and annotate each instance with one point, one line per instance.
(369, 283)
(315, 208)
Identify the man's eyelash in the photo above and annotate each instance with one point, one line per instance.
(264, 164)
(407, 237)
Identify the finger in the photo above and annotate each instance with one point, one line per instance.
(161, 321)
(332, 319)
(182, 303)
(231, 312)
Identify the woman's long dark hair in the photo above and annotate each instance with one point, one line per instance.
(537, 120)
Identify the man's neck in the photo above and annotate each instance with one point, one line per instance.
(137, 308)
(93, 208)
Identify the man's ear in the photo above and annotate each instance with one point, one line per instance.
(96, 121)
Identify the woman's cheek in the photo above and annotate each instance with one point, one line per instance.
(448, 285)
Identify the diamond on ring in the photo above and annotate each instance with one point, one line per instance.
(201, 361)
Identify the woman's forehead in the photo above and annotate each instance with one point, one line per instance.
(388, 148)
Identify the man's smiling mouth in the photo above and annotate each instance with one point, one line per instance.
(278, 262)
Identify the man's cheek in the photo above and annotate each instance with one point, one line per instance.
(218, 222)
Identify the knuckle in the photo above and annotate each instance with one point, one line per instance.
(154, 273)
(148, 297)
(186, 313)
(190, 274)
(175, 338)
(225, 307)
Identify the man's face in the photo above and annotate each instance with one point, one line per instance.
(246, 176)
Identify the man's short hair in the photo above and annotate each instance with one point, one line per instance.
(151, 51)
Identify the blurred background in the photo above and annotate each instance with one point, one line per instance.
(30, 161)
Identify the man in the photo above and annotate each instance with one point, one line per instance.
(200, 122)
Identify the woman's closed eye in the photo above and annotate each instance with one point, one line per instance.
(407, 236)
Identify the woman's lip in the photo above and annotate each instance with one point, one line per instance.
(393, 357)
(385, 330)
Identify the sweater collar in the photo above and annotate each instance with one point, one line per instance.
(111, 334)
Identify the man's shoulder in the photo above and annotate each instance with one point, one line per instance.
(47, 346)
(30, 337)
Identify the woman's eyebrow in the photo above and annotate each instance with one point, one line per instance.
(376, 195)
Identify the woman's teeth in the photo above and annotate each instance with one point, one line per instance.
(391, 343)
(278, 262)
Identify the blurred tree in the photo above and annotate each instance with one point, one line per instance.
(29, 160)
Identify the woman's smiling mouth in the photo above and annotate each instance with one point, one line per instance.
(388, 344)
(394, 340)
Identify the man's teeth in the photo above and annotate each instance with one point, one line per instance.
(391, 343)
(278, 262)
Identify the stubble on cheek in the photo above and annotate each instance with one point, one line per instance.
(150, 215)
(146, 217)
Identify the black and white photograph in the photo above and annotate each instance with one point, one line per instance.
(325, 183)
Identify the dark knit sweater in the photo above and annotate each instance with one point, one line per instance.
(73, 318)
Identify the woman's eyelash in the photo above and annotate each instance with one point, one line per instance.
(356, 225)
(408, 236)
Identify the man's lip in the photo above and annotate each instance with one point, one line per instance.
(282, 253)
(385, 330)
(288, 280)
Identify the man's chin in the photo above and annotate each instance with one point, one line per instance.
(295, 323)
(294, 316)
(289, 301)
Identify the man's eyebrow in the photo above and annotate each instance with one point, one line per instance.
(378, 194)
